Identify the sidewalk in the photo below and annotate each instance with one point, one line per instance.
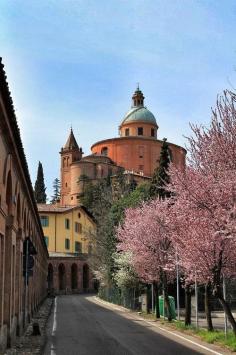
(29, 344)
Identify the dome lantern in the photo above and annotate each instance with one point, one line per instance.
(138, 98)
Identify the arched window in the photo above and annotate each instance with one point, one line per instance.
(104, 151)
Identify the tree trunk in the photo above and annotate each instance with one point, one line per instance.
(166, 300)
(208, 308)
(156, 292)
(227, 310)
(187, 305)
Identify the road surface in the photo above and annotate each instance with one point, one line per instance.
(82, 325)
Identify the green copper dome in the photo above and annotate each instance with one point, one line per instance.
(139, 114)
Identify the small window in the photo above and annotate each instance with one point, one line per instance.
(46, 241)
(127, 132)
(78, 227)
(152, 132)
(44, 221)
(104, 151)
(66, 184)
(71, 198)
(67, 243)
(79, 215)
(67, 223)
(140, 167)
(140, 131)
(78, 247)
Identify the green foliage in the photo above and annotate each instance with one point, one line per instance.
(132, 199)
(160, 177)
(39, 188)
(56, 191)
(106, 201)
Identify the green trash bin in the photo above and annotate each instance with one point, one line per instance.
(172, 307)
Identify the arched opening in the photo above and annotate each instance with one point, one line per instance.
(50, 278)
(62, 277)
(104, 151)
(74, 277)
(9, 198)
(85, 277)
(18, 213)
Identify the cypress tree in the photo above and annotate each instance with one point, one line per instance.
(160, 177)
(39, 187)
(56, 191)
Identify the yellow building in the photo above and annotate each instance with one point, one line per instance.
(66, 229)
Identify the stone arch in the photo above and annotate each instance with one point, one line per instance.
(18, 211)
(85, 277)
(6, 168)
(9, 196)
(74, 276)
(61, 277)
(50, 277)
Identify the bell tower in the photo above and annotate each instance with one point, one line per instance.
(70, 153)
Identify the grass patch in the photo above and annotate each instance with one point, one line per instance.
(215, 337)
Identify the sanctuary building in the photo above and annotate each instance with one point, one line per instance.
(136, 151)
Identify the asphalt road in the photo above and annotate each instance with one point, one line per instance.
(81, 325)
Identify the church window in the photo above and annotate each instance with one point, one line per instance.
(104, 151)
(152, 132)
(66, 184)
(67, 243)
(140, 131)
(127, 132)
(67, 223)
(79, 215)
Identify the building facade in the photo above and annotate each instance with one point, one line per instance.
(19, 220)
(136, 151)
(67, 232)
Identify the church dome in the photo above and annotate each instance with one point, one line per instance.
(138, 112)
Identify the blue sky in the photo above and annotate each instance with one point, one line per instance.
(77, 63)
